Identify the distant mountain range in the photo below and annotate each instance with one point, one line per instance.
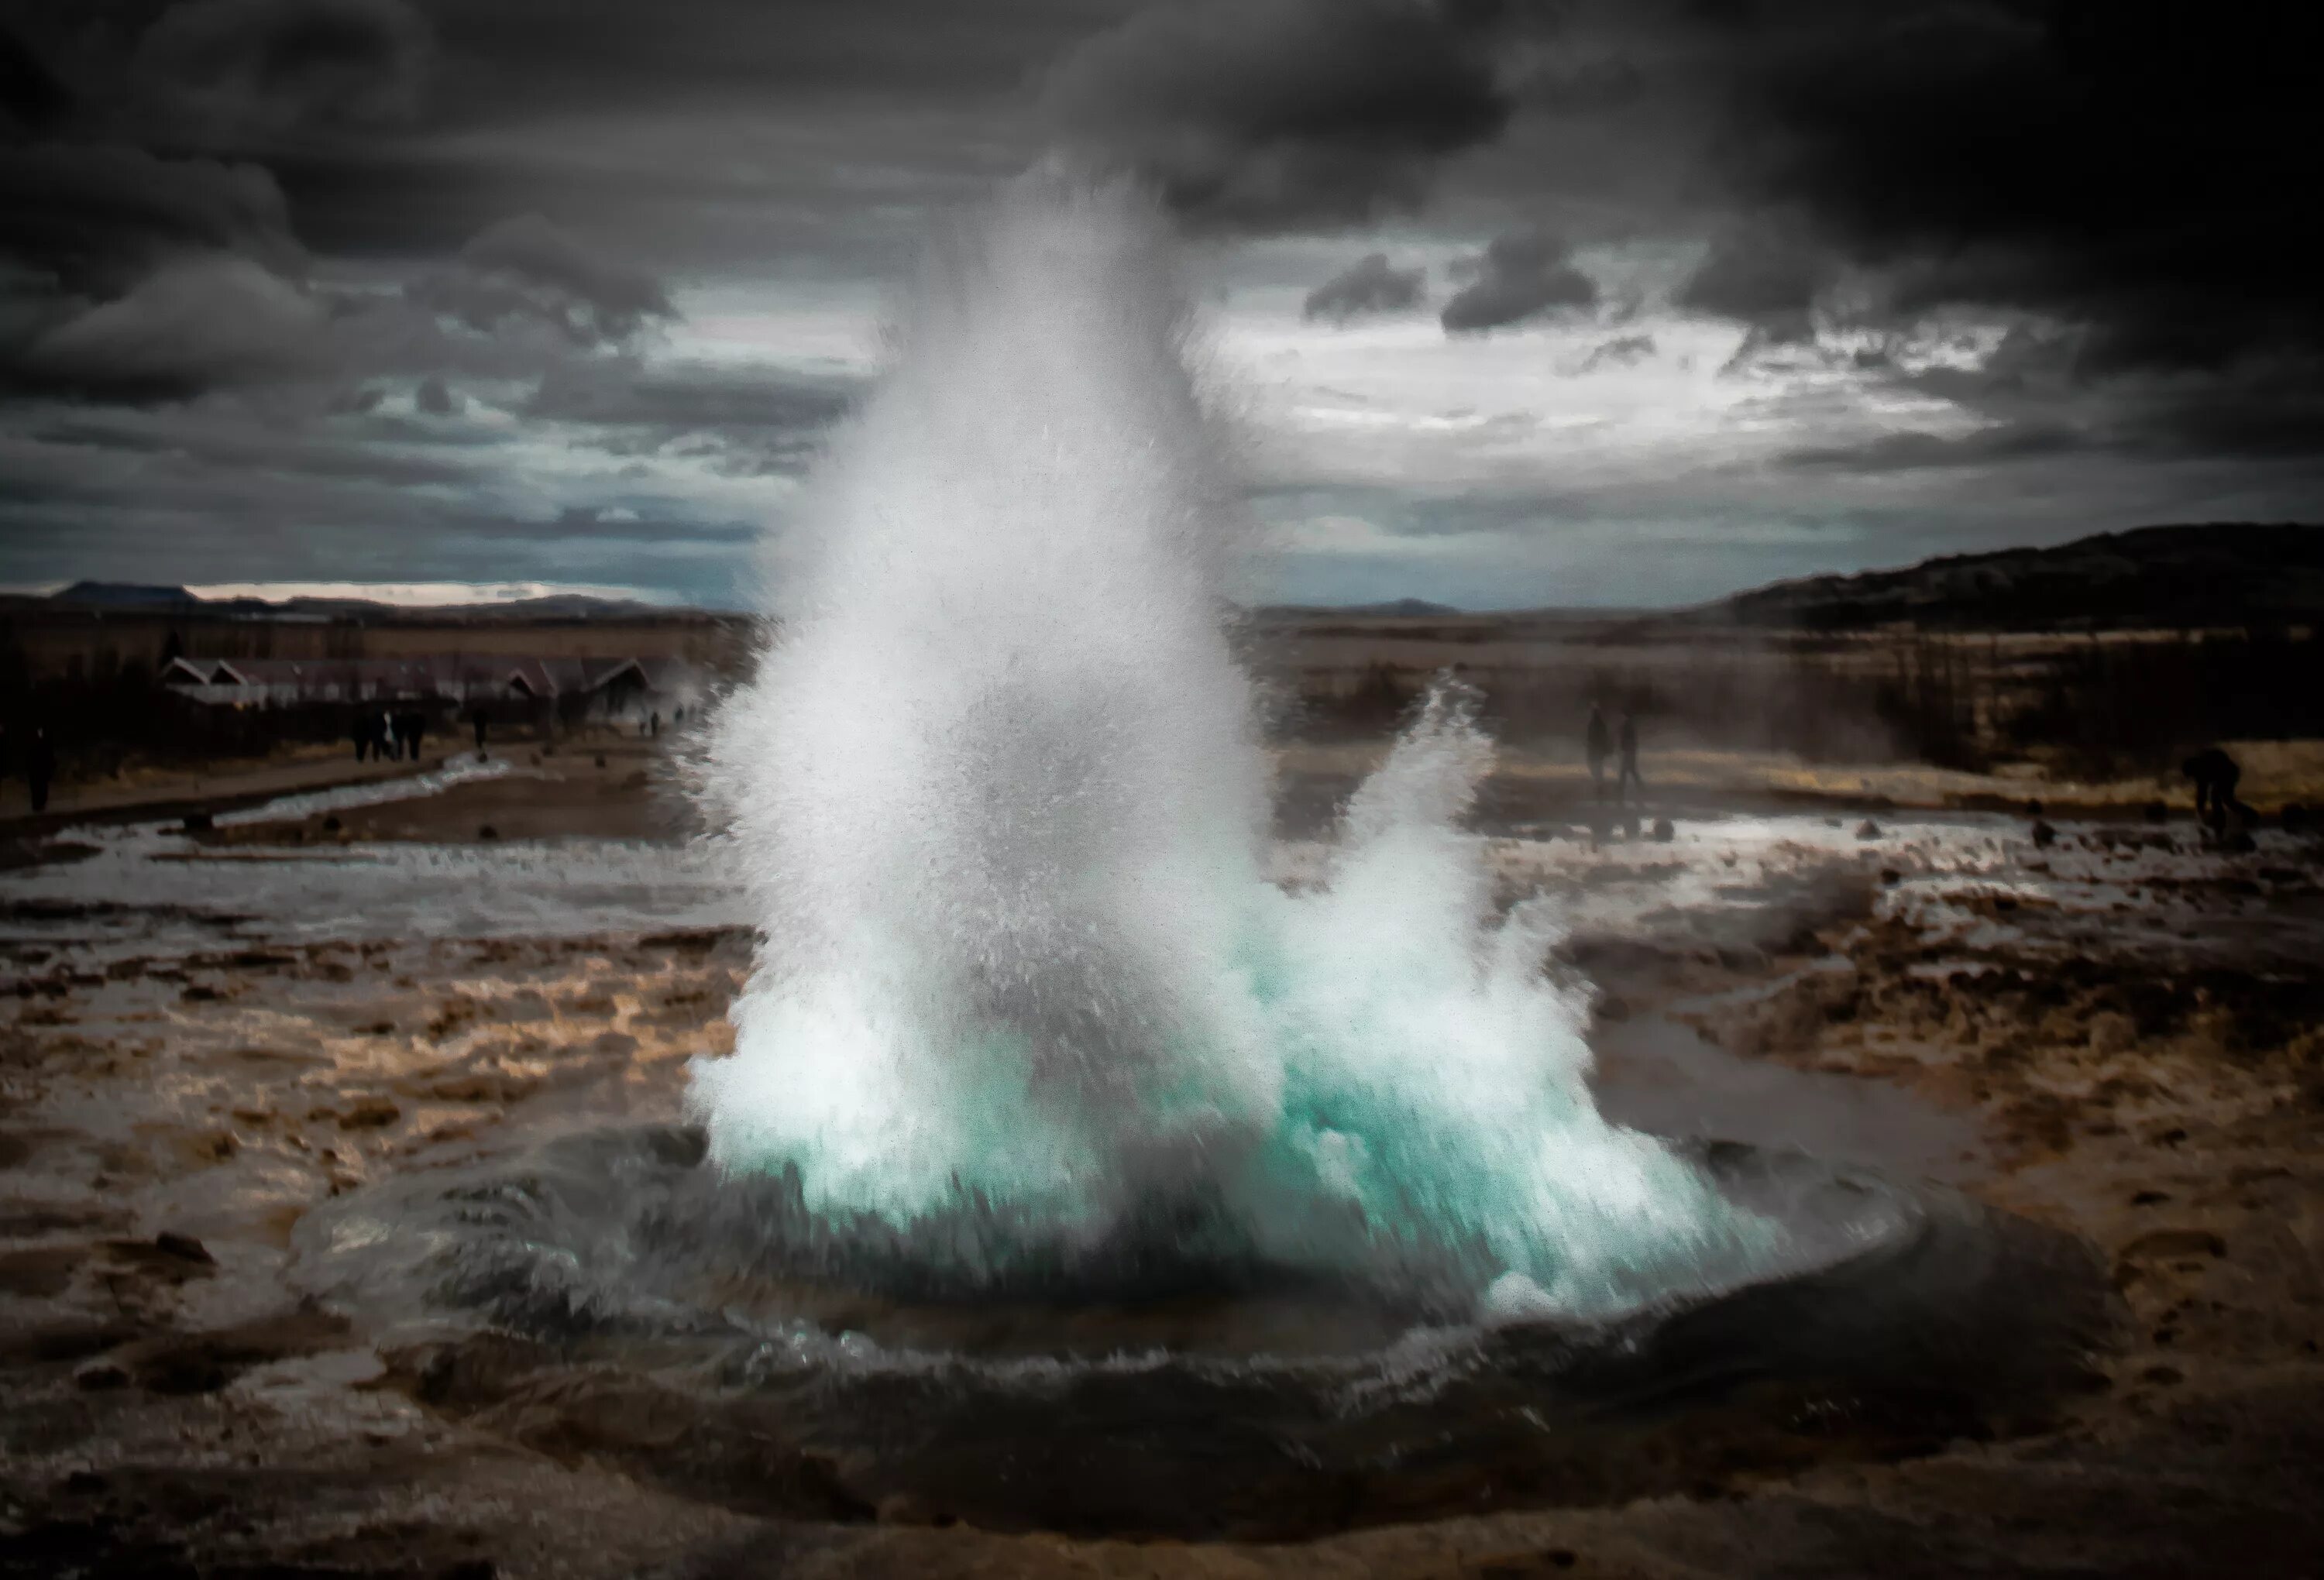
(2227, 573)
(137, 598)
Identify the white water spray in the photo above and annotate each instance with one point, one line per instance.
(997, 795)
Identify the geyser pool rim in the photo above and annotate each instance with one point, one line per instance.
(560, 1286)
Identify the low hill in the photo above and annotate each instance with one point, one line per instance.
(2228, 573)
(550, 607)
(124, 595)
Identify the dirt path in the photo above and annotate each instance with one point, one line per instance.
(212, 789)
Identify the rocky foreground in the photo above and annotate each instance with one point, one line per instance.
(2116, 1034)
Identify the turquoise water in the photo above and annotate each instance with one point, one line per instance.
(995, 793)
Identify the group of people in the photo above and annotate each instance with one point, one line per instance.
(390, 737)
(1602, 745)
(39, 764)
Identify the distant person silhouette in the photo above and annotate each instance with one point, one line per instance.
(39, 767)
(477, 717)
(1598, 745)
(1629, 774)
(2216, 776)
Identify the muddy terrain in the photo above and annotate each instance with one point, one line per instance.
(212, 1037)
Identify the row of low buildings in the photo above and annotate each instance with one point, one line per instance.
(601, 687)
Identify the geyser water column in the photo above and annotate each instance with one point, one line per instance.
(1024, 993)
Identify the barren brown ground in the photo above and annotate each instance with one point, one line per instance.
(166, 1406)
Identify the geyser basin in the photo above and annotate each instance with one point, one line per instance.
(1069, 1173)
(610, 1293)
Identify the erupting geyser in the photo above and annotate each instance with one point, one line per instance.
(1024, 991)
(1067, 1171)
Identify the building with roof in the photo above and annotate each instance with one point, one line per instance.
(573, 687)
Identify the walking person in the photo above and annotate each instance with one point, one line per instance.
(2216, 776)
(1629, 774)
(1598, 744)
(40, 766)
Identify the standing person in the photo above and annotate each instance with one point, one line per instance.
(40, 766)
(1598, 746)
(387, 736)
(1629, 774)
(2216, 776)
(477, 717)
(654, 724)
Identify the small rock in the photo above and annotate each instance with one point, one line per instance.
(486, 832)
(2166, 1245)
(100, 1376)
(331, 825)
(1663, 832)
(370, 1113)
(198, 822)
(1868, 830)
(2150, 1198)
(601, 759)
(2033, 807)
(2044, 836)
(184, 1247)
(2158, 811)
(1891, 877)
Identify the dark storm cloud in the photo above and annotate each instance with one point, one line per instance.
(1275, 114)
(1760, 279)
(2117, 163)
(1514, 279)
(1369, 285)
(194, 324)
(1621, 352)
(243, 67)
(1914, 452)
(752, 421)
(527, 268)
(99, 216)
(676, 399)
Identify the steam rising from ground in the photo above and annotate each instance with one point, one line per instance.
(997, 796)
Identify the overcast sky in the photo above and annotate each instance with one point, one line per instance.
(1626, 302)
